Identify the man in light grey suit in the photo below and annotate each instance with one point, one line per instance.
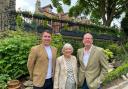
(92, 63)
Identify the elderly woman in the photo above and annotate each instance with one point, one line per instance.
(66, 69)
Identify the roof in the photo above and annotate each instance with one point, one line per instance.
(49, 5)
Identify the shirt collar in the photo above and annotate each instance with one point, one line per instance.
(89, 50)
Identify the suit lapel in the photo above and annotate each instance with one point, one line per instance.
(81, 57)
(53, 58)
(43, 51)
(91, 54)
(65, 66)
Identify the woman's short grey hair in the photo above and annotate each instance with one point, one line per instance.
(67, 45)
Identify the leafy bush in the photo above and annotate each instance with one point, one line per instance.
(126, 46)
(57, 42)
(10, 33)
(3, 79)
(109, 54)
(19, 21)
(103, 43)
(14, 51)
(115, 48)
(124, 57)
(116, 74)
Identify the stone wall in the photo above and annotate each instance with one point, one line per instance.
(6, 16)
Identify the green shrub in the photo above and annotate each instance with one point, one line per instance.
(14, 48)
(124, 57)
(103, 43)
(57, 42)
(109, 54)
(115, 74)
(10, 33)
(117, 51)
(19, 21)
(3, 79)
(115, 48)
(14, 54)
(126, 47)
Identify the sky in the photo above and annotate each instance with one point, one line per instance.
(29, 5)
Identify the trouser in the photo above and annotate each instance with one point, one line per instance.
(85, 86)
(47, 85)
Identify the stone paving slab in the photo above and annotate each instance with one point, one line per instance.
(123, 85)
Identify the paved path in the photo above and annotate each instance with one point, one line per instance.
(126, 87)
(123, 85)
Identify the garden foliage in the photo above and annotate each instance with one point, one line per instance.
(57, 42)
(121, 70)
(14, 51)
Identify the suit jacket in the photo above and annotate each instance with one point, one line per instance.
(61, 72)
(96, 68)
(38, 64)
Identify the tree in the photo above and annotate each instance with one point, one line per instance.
(105, 10)
(124, 24)
(58, 5)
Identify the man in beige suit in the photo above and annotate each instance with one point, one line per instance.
(92, 64)
(41, 63)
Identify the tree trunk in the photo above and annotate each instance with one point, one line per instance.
(110, 11)
(107, 22)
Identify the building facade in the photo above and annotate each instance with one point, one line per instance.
(56, 26)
